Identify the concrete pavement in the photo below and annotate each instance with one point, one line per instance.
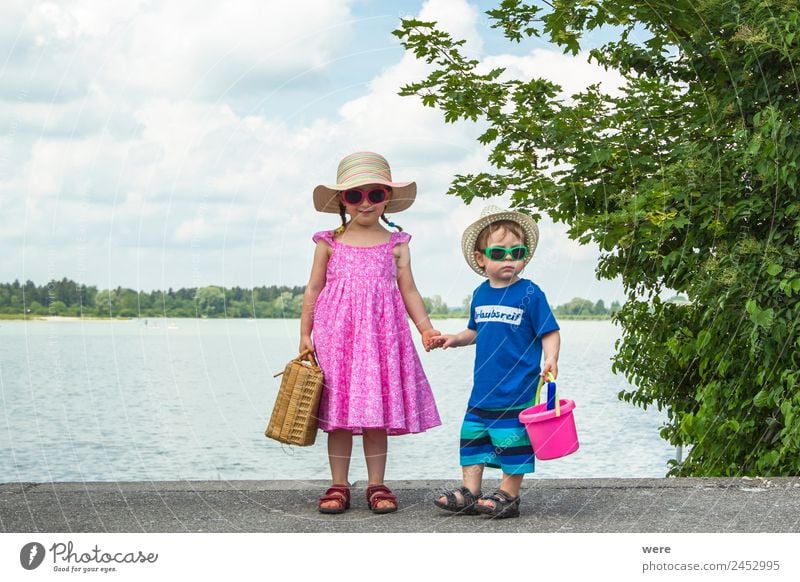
(563, 505)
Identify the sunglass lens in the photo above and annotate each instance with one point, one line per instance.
(352, 196)
(497, 254)
(377, 195)
(518, 253)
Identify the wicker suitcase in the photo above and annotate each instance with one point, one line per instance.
(294, 416)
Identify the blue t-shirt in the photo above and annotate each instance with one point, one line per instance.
(510, 322)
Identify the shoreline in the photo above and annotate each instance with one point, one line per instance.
(74, 318)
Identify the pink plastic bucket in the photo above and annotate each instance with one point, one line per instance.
(552, 436)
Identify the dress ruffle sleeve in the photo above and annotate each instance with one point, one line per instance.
(325, 235)
(399, 238)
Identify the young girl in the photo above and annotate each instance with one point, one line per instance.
(356, 301)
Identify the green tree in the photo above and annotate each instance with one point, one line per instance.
(210, 301)
(88, 295)
(435, 305)
(576, 306)
(467, 303)
(686, 180)
(127, 302)
(286, 305)
(37, 308)
(106, 302)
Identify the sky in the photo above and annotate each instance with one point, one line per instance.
(153, 144)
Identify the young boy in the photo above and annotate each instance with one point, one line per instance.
(512, 324)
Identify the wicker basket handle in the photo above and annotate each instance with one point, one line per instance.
(307, 355)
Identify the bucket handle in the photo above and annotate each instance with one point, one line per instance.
(551, 385)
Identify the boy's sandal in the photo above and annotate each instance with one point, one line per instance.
(378, 493)
(504, 506)
(338, 493)
(466, 505)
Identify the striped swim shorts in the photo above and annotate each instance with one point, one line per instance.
(496, 438)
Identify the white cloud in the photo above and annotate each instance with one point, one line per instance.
(572, 73)
(150, 168)
(457, 18)
(180, 48)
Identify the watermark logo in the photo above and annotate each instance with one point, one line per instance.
(31, 555)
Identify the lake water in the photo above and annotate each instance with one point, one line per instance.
(189, 399)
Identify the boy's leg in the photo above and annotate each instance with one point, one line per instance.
(474, 448)
(511, 484)
(340, 447)
(514, 453)
(472, 477)
(375, 446)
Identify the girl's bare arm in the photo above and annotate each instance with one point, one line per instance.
(316, 283)
(411, 297)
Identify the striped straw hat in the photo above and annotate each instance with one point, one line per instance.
(490, 215)
(357, 170)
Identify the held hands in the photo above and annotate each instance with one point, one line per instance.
(437, 340)
(428, 337)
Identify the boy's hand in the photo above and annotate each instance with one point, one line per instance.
(550, 367)
(443, 341)
(428, 337)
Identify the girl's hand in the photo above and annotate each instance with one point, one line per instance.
(550, 367)
(306, 344)
(428, 337)
(443, 341)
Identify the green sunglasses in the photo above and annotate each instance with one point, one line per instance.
(500, 253)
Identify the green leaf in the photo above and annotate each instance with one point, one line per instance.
(761, 399)
(702, 339)
(773, 269)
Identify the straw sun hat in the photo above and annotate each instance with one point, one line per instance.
(490, 215)
(357, 170)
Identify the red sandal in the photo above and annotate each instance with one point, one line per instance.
(338, 493)
(378, 493)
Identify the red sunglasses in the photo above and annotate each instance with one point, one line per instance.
(355, 196)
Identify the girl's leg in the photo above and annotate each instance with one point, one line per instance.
(375, 446)
(340, 448)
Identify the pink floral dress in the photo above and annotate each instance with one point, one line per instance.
(373, 375)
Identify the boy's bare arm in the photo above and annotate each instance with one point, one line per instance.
(462, 338)
(551, 345)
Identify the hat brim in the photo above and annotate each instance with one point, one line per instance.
(470, 236)
(326, 197)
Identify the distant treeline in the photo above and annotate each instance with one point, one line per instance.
(585, 309)
(69, 298)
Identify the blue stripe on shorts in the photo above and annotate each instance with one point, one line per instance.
(496, 438)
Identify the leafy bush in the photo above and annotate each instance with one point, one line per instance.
(687, 181)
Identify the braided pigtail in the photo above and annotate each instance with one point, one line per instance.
(343, 214)
(390, 223)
